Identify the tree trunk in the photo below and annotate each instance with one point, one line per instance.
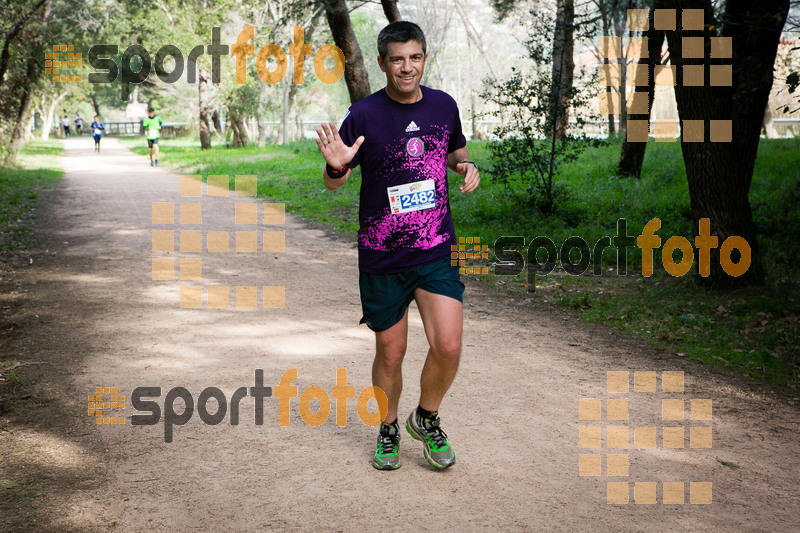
(619, 31)
(47, 124)
(298, 120)
(47, 112)
(286, 94)
(631, 156)
(260, 115)
(355, 73)
(770, 132)
(563, 68)
(237, 119)
(262, 132)
(32, 74)
(390, 10)
(719, 171)
(202, 126)
(18, 133)
(605, 16)
(215, 121)
(96, 107)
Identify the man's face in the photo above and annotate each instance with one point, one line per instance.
(404, 66)
(151, 114)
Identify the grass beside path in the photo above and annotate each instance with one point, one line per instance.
(36, 170)
(752, 331)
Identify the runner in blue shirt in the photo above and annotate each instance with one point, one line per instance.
(97, 132)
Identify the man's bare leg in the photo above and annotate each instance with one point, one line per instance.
(390, 348)
(442, 317)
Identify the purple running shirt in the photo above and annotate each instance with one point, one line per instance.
(403, 144)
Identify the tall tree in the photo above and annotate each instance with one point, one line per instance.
(563, 64)
(204, 103)
(563, 68)
(18, 17)
(631, 155)
(355, 72)
(390, 10)
(720, 168)
(35, 33)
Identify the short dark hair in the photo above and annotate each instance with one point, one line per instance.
(151, 110)
(401, 31)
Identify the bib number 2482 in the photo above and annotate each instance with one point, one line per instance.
(412, 196)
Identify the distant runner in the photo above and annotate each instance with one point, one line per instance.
(78, 124)
(152, 125)
(65, 123)
(97, 132)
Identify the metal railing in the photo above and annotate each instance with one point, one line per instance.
(131, 128)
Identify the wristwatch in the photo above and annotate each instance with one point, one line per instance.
(471, 163)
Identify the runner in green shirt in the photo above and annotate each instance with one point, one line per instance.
(152, 126)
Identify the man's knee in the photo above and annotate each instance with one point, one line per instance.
(390, 355)
(447, 347)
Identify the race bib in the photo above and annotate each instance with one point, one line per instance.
(412, 196)
(97, 131)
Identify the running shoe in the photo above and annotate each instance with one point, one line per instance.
(436, 448)
(156, 162)
(387, 455)
(151, 163)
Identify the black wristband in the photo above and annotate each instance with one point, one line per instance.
(471, 163)
(335, 174)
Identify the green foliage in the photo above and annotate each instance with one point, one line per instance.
(528, 154)
(527, 158)
(19, 189)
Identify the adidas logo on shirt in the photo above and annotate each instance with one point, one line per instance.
(412, 127)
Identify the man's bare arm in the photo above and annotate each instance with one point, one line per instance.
(470, 172)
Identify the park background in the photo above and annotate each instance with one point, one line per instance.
(560, 156)
(499, 62)
(520, 71)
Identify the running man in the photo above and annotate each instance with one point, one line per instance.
(78, 124)
(97, 132)
(152, 125)
(405, 137)
(65, 123)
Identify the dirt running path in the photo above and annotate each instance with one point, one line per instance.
(88, 309)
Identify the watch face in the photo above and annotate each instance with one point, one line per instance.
(415, 147)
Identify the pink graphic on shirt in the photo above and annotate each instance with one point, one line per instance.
(415, 147)
(423, 229)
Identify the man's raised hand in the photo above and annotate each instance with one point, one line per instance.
(336, 153)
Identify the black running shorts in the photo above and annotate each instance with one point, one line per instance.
(385, 297)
